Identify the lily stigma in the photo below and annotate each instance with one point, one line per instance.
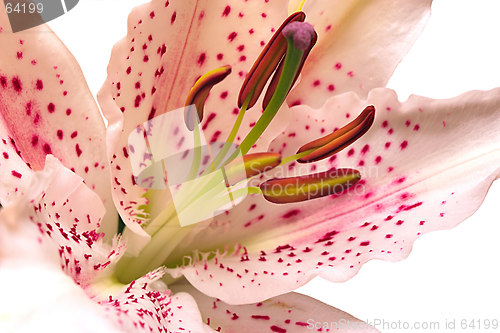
(244, 158)
(219, 175)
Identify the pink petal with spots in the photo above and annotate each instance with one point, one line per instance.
(66, 210)
(426, 165)
(147, 306)
(360, 43)
(47, 108)
(289, 313)
(168, 46)
(36, 294)
(49, 263)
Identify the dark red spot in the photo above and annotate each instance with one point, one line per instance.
(400, 180)
(16, 83)
(385, 124)
(74, 134)
(350, 152)
(223, 95)
(261, 317)
(5, 155)
(331, 87)
(226, 11)
(39, 84)
(19, 55)
(378, 159)
(51, 107)
(201, 59)
(210, 117)
(28, 108)
(16, 174)
(364, 243)
(232, 36)
(137, 101)
(47, 149)
(60, 134)
(365, 149)
(152, 113)
(418, 204)
(34, 140)
(152, 14)
(129, 70)
(291, 213)
(275, 328)
(137, 85)
(145, 59)
(215, 136)
(172, 19)
(338, 66)
(78, 150)
(404, 144)
(125, 152)
(220, 56)
(3, 81)
(316, 83)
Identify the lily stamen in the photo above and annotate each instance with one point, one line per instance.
(266, 63)
(291, 66)
(195, 102)
(332, 143)
(303, 188)
(251, 165)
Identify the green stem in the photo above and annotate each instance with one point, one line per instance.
(293, 59)
(230, 139)
(195, 166)
(295, 157)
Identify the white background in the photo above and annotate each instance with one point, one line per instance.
(450, 274)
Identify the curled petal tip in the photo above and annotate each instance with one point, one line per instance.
(303, 188)
(332, 143)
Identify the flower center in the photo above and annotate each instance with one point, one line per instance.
(204, 190)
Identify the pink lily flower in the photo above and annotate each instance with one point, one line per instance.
(259, 249)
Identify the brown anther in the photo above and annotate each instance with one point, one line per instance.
(266, 63)
(333, 143)
(195, 102)
(302, 188)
